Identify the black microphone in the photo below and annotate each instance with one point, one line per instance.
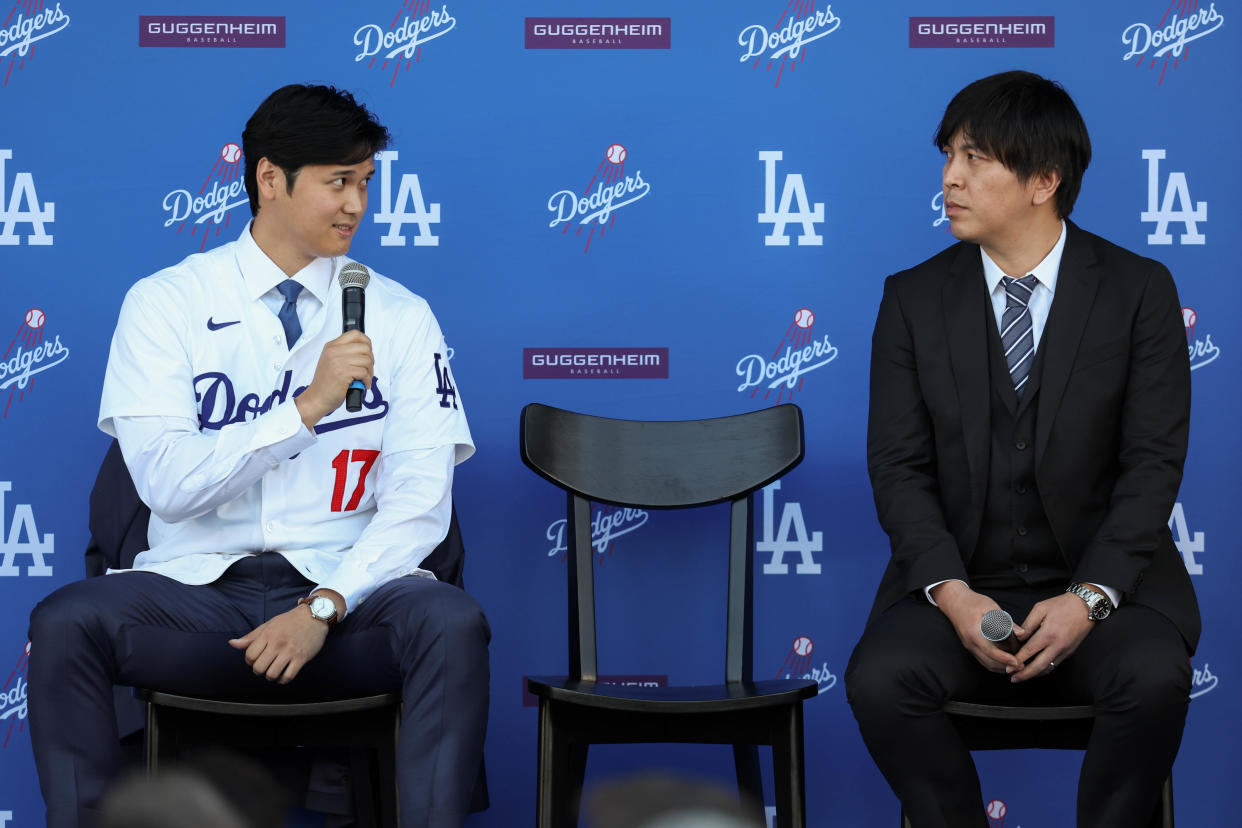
(353, 278)
(997, 627)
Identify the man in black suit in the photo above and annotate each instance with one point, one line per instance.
(1030, 403)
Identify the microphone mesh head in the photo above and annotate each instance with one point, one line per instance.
(996, 625)
(354, 274)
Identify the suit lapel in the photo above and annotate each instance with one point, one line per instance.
(1071, 306)
(965, 310)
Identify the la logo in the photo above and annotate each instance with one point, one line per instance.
(794, 190)
(12, 214)
(1175, 192)
(790, 536)
(1188, 543)
(23, 519)
(396, 215)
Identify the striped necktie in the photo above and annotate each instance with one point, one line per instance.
(1017, 335)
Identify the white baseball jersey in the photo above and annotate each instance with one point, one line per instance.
(200, 389)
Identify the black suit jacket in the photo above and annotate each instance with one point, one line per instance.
(1111, 424)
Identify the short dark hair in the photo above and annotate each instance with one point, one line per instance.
(1026, 122)
(302, 124)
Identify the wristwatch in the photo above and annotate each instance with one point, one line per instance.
(321, 607)
(1098, 605)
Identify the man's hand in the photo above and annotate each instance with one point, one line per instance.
(965, 608)
(281, 646)
(1057, 626)
(343, 360)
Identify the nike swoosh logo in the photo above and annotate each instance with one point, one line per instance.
(215, 326)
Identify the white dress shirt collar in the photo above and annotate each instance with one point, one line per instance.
(1046, 271)
(262, 274)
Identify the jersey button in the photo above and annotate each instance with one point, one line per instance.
(271, 526)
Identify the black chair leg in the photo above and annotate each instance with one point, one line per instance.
(749, 778)
(360, 770)
(577, 773)
(1164, 815)
(562, 767)
(788, 765)
(546, 771)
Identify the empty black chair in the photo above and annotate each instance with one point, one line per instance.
(1060, 727)
(665, 465)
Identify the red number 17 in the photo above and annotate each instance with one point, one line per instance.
(341, 463)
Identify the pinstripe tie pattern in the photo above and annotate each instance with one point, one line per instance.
(1017, 335)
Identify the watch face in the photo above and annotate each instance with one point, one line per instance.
(322, 608)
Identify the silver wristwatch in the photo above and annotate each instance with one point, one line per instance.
(321, 607)
(1098, 605)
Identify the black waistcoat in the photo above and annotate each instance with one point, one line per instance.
(1016, 546)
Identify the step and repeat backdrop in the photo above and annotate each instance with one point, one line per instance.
(657, 209)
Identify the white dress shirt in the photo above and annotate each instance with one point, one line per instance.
(1039, 305)
(199, 391)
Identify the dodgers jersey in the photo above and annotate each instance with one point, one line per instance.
(200, 388)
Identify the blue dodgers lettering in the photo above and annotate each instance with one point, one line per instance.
(219, 406)
(373, 401)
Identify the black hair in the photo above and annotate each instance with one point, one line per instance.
(305, 124)
(1026, 122)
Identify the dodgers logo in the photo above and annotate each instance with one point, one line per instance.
(12, 545)
(401, 43)
(20, 30)
(1188, 543)
(613, 189)
(1201, 348)
(30, 352)
(607, 524)
(791, 536)
(785, 43)
(942, 218)
(1167, 211)
(996, 811)
(219, 404)
(793, 190)
(1169, 36)
(12, 213)
(1202, 681)
(13, 699)
(409, 208)
(798, 353)
(799, 663)
(210, 204)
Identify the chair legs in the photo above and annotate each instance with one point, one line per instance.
(561, 770)
(749, 780)
(789, 767)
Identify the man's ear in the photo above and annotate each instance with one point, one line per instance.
(1042, 187)
(269, 178)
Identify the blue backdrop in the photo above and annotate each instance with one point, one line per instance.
(728, 166)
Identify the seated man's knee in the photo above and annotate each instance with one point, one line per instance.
(463, 618)
(62, 617)
(872, 681)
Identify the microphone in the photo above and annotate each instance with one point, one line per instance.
(997, 627)
(353, 279)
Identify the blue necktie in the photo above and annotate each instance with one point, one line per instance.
(288, 314)
(1017, 334)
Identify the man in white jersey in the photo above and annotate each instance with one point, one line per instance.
(286, 532)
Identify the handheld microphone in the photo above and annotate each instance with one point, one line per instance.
(353, 279)
(997, 627)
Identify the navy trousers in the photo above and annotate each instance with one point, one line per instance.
(423, 638)
(1134, 667)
